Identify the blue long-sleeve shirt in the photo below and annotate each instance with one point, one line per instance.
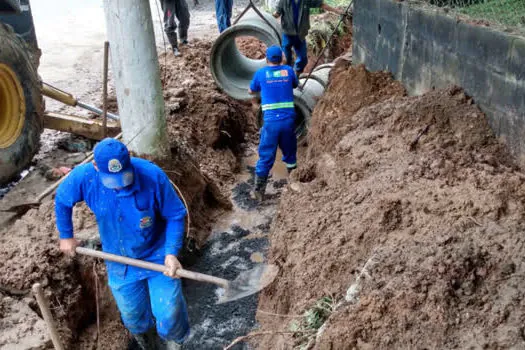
(144, 221)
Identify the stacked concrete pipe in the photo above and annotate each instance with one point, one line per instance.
(233, 71)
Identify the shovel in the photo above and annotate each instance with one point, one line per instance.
(247, 283)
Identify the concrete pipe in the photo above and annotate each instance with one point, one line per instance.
(231, 69)
(306, 96)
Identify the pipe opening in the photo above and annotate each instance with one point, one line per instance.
(251, 47)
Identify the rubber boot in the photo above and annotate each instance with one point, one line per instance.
(147, 341)
(167, 344)
(260, 187)
(172, 38)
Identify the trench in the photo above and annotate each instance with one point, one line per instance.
(239, 240)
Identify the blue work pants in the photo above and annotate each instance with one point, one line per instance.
(277, 133)
(158, 297)
(223, 12)
(301, 51)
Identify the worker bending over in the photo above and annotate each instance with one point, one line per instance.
(275, 83)
(140, 216)
(295, 22)
(179, 9)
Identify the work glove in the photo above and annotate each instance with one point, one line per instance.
(172, 265)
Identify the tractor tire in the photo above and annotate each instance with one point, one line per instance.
(21, 105)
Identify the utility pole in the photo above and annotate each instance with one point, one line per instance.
(136, 72)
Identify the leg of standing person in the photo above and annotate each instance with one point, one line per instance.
(268, 144)
(287, 48)
(170, 26)
(288, 144)
(134, 305)
(221, 12)
(169, 308)
(229, 4)
(301, 52)
(183, 15)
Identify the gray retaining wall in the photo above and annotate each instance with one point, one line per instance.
(426, 49)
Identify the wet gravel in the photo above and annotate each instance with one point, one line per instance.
(226, 254)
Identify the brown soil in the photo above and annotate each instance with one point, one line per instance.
(251, 47)
(207, 132)
(440, 224)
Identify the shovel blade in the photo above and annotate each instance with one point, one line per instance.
(248, 283)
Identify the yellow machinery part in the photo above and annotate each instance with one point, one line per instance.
(12, 106)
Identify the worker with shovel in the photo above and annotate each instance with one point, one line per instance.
(139, 215)
(275, 83)
(295, 21)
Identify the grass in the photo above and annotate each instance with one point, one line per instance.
(313, 319)
(506, 12)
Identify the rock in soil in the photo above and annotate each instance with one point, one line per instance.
(440, 224)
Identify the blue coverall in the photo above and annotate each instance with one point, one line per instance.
(143, 221)
(276, 84)
(223, 12)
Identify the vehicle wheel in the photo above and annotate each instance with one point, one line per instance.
(21, 108)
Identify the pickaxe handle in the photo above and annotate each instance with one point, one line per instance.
(221, 282)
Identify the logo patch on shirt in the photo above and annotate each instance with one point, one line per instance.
(114, 166)
(146, 222)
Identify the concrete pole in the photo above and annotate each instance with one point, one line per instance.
(137, 76)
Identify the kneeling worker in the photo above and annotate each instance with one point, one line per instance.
(275, 83)
(139, 215)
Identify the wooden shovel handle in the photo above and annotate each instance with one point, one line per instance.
(152, 266)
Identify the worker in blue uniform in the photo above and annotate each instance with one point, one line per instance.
(275, 83)
(140, 216)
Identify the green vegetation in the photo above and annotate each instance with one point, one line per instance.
(313, 319)
(506, 12)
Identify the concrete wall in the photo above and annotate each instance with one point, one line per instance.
(425, 49)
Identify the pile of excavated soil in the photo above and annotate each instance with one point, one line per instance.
(204, 122)
(207, 133)
(438, 223)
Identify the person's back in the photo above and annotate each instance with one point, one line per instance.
(276, 84)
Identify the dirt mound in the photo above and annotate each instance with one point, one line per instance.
(202, 121)
(349, 90)
(407, 218)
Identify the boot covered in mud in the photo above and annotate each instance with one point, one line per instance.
(148, 340)
(172, 38)
(260, 187)
(167, 344)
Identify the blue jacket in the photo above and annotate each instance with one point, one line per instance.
(276, 84)
(144, 221)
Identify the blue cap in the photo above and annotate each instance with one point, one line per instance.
(274, 54)
(113, 163)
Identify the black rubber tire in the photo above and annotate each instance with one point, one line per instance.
(16, 55)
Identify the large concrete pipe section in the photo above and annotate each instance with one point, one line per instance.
(306, 96)
(231, 69)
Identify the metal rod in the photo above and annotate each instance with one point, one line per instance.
(48, 317)
(152, 266)
(105, 89)
(96, 110)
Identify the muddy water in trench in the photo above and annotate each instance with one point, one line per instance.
(238, 242)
